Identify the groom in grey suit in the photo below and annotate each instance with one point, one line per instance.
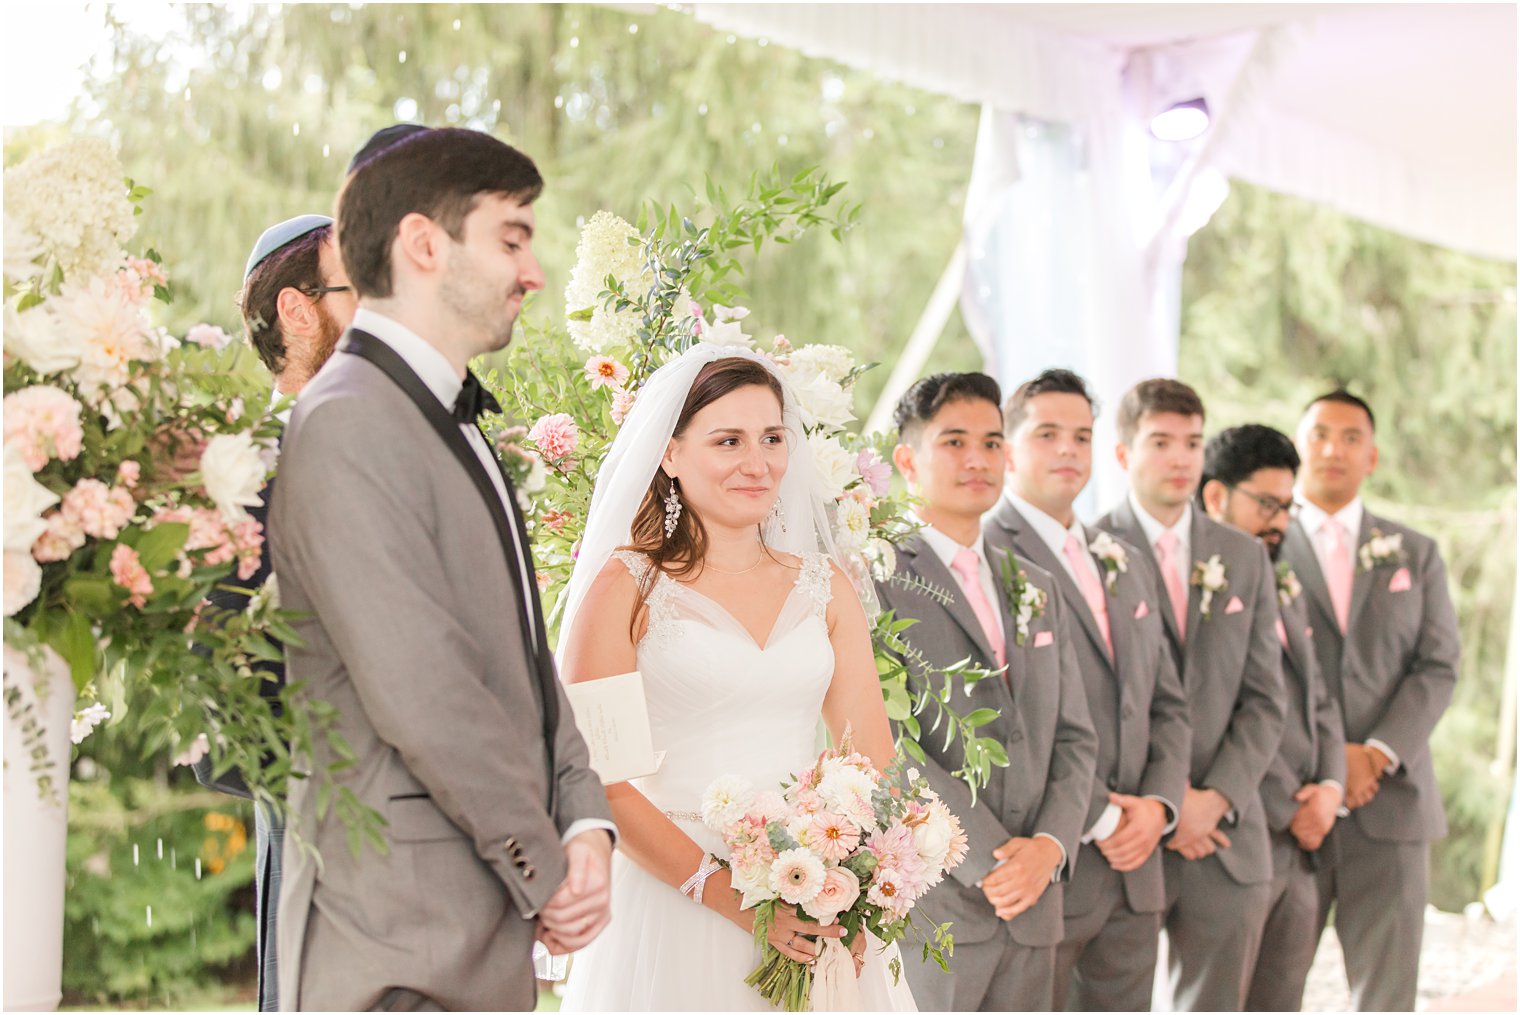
(1387, 640)
(1113, 903)
(1219, 604)
(1248, 476)
(1004, 900)
(401, 544)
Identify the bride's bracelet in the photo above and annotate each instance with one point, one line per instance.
(693, 884)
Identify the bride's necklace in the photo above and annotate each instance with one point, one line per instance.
(709, 567)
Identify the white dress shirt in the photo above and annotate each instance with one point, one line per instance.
(946, 549)
(1053, 534)
(438, 376)
(1313, 519)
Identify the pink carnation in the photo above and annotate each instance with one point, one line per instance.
(98, 510)
(876, 473)
(128, 572)
(606, 372)
(128, 473)
(42, 422)
(208, 336)
(555, 436)
(831, 836)
(622, 404)
(60, 540)
(895, 848)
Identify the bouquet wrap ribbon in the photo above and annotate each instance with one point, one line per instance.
(834, 984)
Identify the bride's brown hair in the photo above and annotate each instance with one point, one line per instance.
(681, 553)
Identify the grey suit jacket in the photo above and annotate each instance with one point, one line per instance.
(413, 633)
(1134, 697)
(1393, 674)
(1042, 722)
(1314, 741)
(1231, 670)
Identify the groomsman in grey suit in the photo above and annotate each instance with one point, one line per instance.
(1218, 600)
(1248, 474)
(1113, 903)
(400, 542)
(1004, 900)
(1387, 641)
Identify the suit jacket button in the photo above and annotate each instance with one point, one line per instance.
(510, 845)
(1127, 712)
(528, 872)
(1113, 784)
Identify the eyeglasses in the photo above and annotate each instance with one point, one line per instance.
(1268, 507)
(318, 292)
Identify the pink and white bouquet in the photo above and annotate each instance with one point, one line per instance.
(843, 842)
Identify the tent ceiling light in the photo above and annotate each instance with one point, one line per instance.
(1181, 121)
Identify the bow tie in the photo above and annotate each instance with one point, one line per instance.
(473, 400)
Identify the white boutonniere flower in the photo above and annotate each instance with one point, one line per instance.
(1288, 587)
(1111, 555)
(1026, 599)
(1380, 550)
(1209, 576)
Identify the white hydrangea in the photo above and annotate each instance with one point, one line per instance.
(22, 250)
(835, 465)
(604, 249)
(72, 198)
(833, 361)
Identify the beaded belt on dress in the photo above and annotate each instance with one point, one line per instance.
(683, 815)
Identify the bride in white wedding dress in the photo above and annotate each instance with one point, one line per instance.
(704, 566)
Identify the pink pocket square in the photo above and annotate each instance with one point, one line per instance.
(1308, 632)
(1400, 582)
(1043, 638)
(1235, 606)
(1142, 611)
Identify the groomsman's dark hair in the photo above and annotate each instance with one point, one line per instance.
(1055, 381)
(1159, 394)
(928, 396)
(296, 265)
(1344, 397)
(1234, 455)
(439, 173)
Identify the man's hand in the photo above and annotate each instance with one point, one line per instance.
(1362, 774)
(1018, 882)
(1199, 820)
(1141, 823)
(582, 907)
(1317, 804)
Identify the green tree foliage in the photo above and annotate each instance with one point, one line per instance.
(1284, 299)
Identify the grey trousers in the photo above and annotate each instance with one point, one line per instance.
(1107, 958)
(1378, 892)
(1213, 928)
(998, 974)
(1292, 930)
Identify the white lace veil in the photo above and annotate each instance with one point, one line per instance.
(624, 478)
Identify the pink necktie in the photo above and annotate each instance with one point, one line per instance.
(968, 565)
(1166, 551)
(1092, 588)
(1339, 575)
(1282, 632)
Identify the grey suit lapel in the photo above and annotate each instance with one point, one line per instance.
(1297, 546)
(1301, 657)
(1133, 532)
(926, 564)
(1028, 543)
(1201, 547)
(1361, 585)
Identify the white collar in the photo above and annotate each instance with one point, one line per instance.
(1050, 531)
(276, 396)
(1182, 529)
(430, 365)
(1313, 517)
(946, 548)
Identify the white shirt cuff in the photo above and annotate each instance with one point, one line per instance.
(1055, 875)
(1338, 786)
(1392, 755)
(586, 825)
(1106, 825)
(1172, 811)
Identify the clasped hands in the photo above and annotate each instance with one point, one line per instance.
(582, 906)
(1021, 878)
(1364, 774)
(1198, 834)
(1142, 821)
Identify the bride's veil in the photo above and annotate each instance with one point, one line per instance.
(625, 475)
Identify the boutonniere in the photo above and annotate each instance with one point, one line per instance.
(1111, 555)
(1026, 599)
(1288, 588)
(1380, 550)
(1209, 576)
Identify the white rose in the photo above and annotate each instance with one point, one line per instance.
(23, 576)
(232, 470)
(933, 838)
(725, 329)
(25, 500)
(31, 338)
(822, 402)
(833, 361)
(883, 557)
(835, 465)
(21, 252)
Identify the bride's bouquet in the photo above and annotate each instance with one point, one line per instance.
(838, 843)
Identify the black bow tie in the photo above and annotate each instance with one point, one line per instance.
(473, 400)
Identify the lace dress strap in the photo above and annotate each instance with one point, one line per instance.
(662, 611)
(816, 580)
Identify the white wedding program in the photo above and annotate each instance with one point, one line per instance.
(613, 718)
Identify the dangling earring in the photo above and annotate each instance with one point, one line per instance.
(777, 517)
(672, 510)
